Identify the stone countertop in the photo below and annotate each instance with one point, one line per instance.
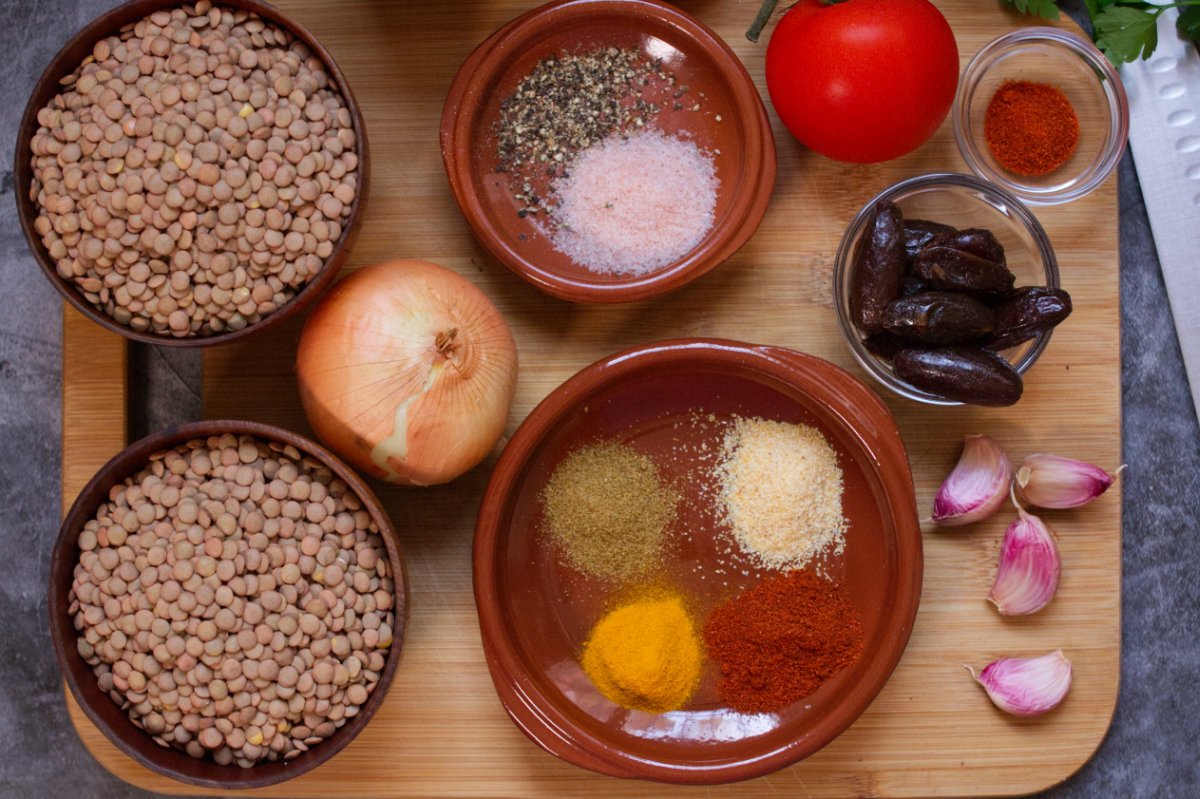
(1156, 724)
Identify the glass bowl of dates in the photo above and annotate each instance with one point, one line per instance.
(947, 290)
(1042, 112)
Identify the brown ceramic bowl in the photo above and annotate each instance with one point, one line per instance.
(535, 613)
(700, 59)
(99, 706)
(47, 86)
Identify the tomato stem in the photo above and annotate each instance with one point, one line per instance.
(761, 19)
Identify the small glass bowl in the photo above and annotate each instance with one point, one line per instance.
(1091, 83)
(963, 201)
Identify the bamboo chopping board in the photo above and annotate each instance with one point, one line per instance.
(442, 731)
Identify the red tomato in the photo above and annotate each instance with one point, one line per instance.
(862, 80)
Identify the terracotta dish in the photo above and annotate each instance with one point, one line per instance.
(67, 59)
(105, 713)
(535, 613)
(698, 57)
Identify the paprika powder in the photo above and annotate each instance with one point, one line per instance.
(777, 642)
(1031, 128)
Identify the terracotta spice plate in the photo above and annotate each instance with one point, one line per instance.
(673, 402)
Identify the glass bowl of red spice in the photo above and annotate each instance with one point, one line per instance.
(1043, 113)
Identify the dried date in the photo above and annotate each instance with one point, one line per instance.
(975, 240)
(962, 374)
(919, 232)
(878, 268)
(910, 285)
(938, 317)
(953, 269)
(885, 345)
(1028, 312)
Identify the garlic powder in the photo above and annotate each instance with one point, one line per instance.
(781, 492)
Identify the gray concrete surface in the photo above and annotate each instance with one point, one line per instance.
(1150, 751)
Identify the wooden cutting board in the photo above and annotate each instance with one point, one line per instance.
(442, 731)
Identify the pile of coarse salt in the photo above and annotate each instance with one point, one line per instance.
(781, 492)
(633, 204)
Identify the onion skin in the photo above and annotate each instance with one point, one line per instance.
(407, 370)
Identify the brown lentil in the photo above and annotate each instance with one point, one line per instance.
(212, 644)
(607, 511)
(158, 149)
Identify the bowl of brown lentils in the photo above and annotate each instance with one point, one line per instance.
(188, 174)
(227, 603)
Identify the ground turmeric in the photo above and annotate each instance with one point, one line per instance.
(645, 655)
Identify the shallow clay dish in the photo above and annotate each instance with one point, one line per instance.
(698, 57)
(535, 613)
(99, 706)
(47, 86)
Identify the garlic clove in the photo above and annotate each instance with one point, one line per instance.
(1026, 686)
(1027, 576)
(977, 486)
(1051, 481)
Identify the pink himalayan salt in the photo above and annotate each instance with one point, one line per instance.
(633, 205)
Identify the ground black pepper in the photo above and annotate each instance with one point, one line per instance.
(568, 103)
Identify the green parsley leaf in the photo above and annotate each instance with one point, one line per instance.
(1040, 8)
(1189, 23)
(1126, 34)
(1094, 7)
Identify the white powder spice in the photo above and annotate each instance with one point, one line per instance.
(781, 492)
(634, 204)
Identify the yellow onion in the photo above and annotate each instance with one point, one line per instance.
(407, 371)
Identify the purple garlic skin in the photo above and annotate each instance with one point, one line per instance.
(1051, 481)
(1027, 576)
(1027, 686)
(976, 487)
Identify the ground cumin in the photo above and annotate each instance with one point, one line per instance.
(1031, 128)
(607, 511)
